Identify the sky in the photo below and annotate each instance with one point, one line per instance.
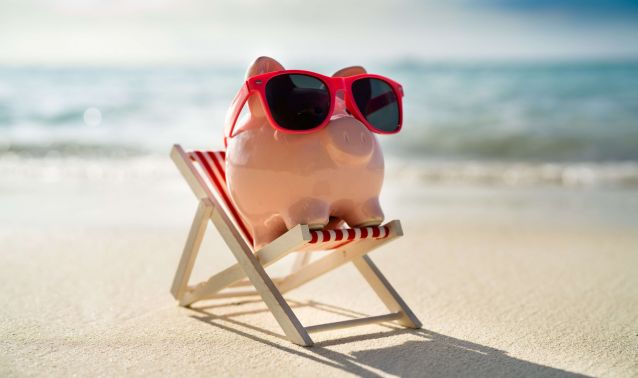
(203, 32)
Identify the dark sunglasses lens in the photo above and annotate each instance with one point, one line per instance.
(378, 103)
(297, 102)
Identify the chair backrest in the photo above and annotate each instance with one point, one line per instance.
(211, 166)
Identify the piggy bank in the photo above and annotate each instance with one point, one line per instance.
(287, 171)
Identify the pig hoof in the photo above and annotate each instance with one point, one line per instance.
(365, 214)
(370, 223)
(316, 226)
(310, 211)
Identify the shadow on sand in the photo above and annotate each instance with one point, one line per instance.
(429, 354)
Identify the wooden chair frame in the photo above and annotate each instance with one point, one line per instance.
(251, 264)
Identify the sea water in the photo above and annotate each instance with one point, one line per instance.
(512, 123)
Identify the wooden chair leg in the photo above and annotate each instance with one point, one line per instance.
(292, 240)
(261, 281)
(385, 291)
(191, 249)
(301, 260)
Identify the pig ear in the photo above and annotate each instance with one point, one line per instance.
(349, 71)
(261, 65)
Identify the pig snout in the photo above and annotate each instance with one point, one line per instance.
(348, 140)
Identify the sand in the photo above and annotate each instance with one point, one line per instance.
(507, 282)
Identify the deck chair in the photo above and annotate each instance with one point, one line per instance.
(205, 173)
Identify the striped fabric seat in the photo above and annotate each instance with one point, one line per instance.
(212, 165)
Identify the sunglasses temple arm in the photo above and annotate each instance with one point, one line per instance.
(234, 110)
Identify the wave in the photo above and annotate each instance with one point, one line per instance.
(454, 143)
(132, 165)
(515, 174)
(71, 150)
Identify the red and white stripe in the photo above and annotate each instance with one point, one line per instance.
(349, 234)
(213, 165)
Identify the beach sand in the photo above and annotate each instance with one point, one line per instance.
(507, 281)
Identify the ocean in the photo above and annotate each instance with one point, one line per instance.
(489, 123)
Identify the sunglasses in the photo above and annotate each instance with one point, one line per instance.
(301, 102)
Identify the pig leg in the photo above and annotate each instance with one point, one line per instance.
(311, 211)
(364, 214)
(266, 230)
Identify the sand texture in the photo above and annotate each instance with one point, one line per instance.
(507, 282)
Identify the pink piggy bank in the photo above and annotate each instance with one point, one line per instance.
(300, 155)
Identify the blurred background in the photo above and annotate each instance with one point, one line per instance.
(515, 177)
(499, 93)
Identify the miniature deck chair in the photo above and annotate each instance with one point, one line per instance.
(204, 172)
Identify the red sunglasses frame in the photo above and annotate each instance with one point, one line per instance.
(257, 84)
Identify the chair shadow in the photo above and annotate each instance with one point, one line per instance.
(431, 354)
